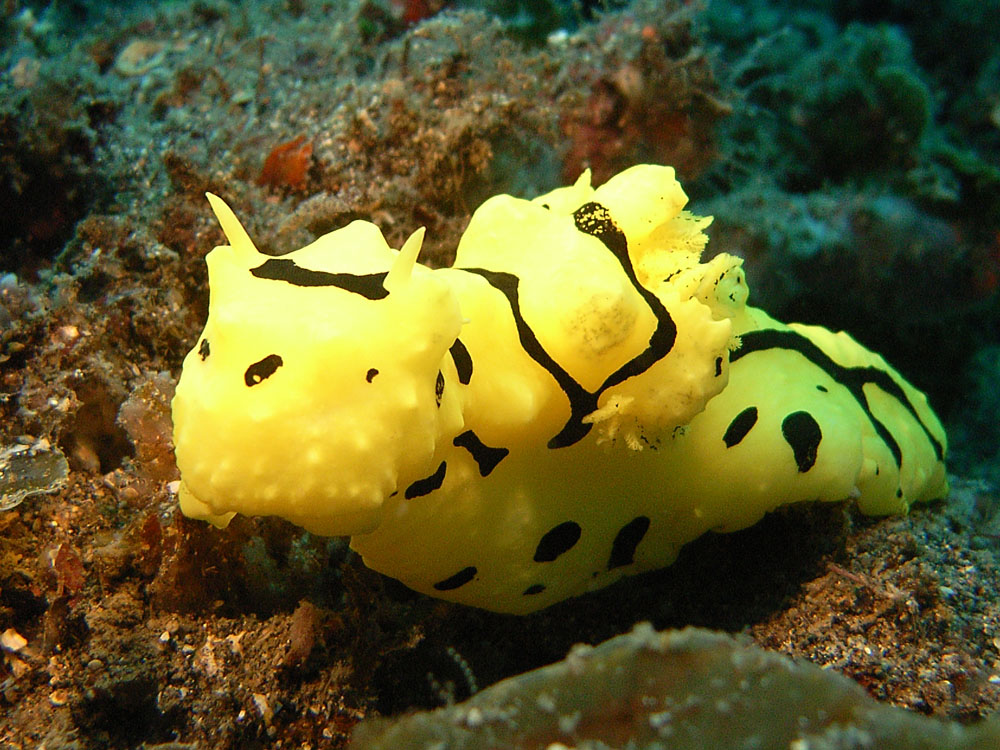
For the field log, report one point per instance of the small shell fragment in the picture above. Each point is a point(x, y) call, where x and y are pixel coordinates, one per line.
point(11, 640)
point(29, 470)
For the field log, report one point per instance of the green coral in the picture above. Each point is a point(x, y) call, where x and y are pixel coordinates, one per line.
point(823, 103)
point(864, 104)
point(532, 21)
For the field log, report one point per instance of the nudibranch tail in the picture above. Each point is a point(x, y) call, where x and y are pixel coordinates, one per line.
point(238, 237)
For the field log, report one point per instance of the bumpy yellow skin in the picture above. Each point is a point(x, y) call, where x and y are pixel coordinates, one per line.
point(573, 401)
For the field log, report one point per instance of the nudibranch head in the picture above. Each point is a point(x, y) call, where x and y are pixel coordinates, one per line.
point(347, 320)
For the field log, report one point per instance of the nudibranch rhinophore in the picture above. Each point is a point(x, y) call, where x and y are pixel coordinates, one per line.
point(571, 402)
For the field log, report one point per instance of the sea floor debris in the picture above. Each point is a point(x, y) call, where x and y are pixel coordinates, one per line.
point(681, 689)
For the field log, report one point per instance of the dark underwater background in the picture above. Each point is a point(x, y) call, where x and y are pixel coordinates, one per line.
point(849, 151)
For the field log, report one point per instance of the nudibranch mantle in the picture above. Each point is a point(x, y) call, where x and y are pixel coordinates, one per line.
point(576, 398)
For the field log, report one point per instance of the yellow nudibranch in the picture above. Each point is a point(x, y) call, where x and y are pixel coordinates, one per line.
point(571, 402)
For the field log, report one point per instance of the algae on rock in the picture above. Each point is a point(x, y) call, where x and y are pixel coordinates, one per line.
point(691, 688)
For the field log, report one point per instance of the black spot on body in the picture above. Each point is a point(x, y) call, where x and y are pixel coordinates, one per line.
point(557, 540)
point(438, 388)
point(803, 434)
point(485, 457)
point(718, 366)
point(461, 578)
point(899, 492)
point(426, 485)
point(370, 375)
point(626, 541)
point(740, 426)
point(203, 350)
point(368, 285)
point(463, 361)
point(822, 388)
point(595, 219)
point(262, 370)
point(535, 588)
point(852, 378)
